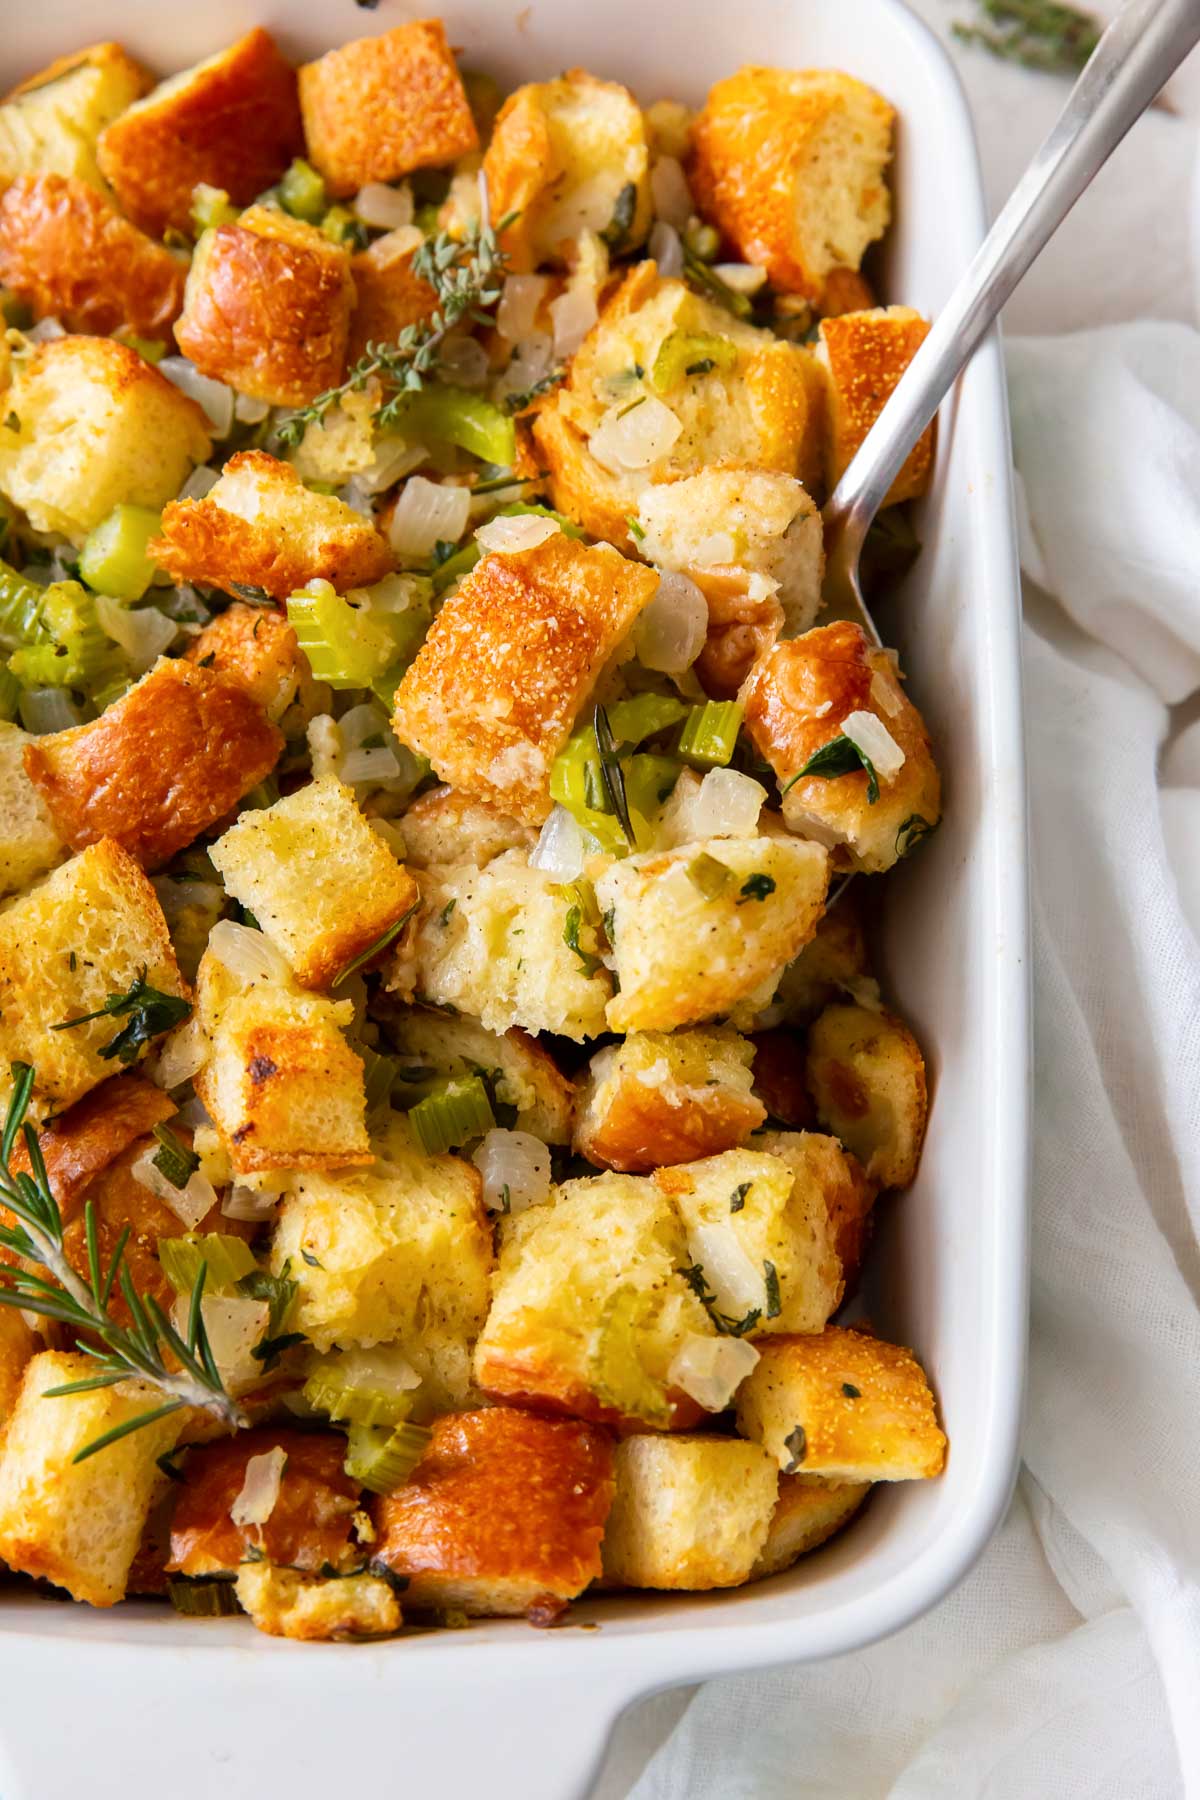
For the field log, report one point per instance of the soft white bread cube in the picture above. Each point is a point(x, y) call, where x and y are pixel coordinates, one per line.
point(519, 1072)
point(490, 943)
point(590, 1305)
point(688, 1512)
point(267, 307)
point(863, 355)
point(17, 1345)
point(791, 166)
point(342, 444)
point(666, 1097)
point(760, 1234)
point(50, 124)
point(232, 121)
point(843, 1405)
point(447, 826)
point(322, 885)
point(837, 1185)
point(682, 957)
point(29, 844)
point(867, 1078)
point(510, 663)
point(259, 526)
point(569, 156)
point(832, 964)
point(317, 1609)
point(89, 424)
point(88, 930)
point(379, 107)
point(77, 1524)
point(799, 697)
point(258, 648)
point(807, 1513)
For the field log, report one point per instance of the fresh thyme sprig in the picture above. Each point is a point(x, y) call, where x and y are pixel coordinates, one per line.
point(1038, 34)
point(134, 1352)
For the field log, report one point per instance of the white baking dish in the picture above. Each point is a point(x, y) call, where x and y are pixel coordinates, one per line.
point(139, 1700)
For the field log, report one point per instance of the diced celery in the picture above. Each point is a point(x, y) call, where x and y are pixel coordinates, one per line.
point(359, 1388)
point(643, 716)
point(151, 350)
point(10, 692)
point(456, 566)
point(649, 781)
point(340, 225)
point(20, 607)
point(454, 415)
point(379, 1074)
point(302, 192)
point(709, 736)
point(684, 353)
point(709, 875)
point(568, 527)
point(701, 239)
point(114, 559)
point(347, 646)
point(228, 1259)
point(211, 206)
point(620, 1379)
point(456, 1111)
point(381, 1460)
point(202, 1599)
point(68, 648)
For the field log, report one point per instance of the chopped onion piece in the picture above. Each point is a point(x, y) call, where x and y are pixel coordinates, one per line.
point(195, 1114)
point(715, 551)
point(375, 765)
point(738, 1283)
point(463, 361)
point(190, 1203)
point(574, 313)
point(400, 242)
point(559, 849)
point(743, 278)
point(392, 834)
point(48, 709)
point(201, 481)
point(215, 398)
point(524, 531)
point(711, 1369)
point(672, 195)
point(671, 631)
point(234, 1326)
point(634, 437)
point(142, 632)
point(872, 737)
point(395, 457)
point(247, 954)
point(531, 362)
point(383, 207)
point(45, 331)
point(249, 411)
point(427, 514)
point(249, 1204)
point(666, 248)
point(182, 1055)
point(515, 1167)
point(517, 312)
point(885, 696)
point(260, 1489)
point(728, 804)
point(362, 722)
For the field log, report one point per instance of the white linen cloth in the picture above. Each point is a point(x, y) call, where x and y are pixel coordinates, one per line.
point(1068, 1663)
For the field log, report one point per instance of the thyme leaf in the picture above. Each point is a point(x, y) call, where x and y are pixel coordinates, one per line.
point(1037, 34)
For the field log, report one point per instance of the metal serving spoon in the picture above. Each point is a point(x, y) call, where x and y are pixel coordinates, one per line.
point(1137, 54)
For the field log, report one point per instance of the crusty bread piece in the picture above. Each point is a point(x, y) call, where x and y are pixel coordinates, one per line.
point(447, 826)
point(831, 964)
point(508, 666)
point(689, 1512)
point(322, 885)
point(843, 1405)
point(568, 156)
point(232, 121)
point(85, 932)
point(845, 290)
point(90, 424)
point(380, 107)
point(867, 1078)
point(267, 307)
point(666, 1097)
point(29, 844)
point(797, 698)
point(502, 1516)
point(807, 1513)
point(80, 1143)
point(388, 295)
point(260, 526)
point(17, 1345)
point(77, 1524)
point(681, 956)
point(864, 354)
point(68, 254)
point(315, 1608)
point(159, 766)
point(521, 1072)
point(791, 166)
point(779, 1078)
point(256, 647)
point(838, 1185)
point(50, 123)
point(309, 1525)
point(342, 444)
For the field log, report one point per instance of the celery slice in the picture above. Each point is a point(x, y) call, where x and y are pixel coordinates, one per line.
point(649, 782)
point(357, 1388)
point(619, 1378)
point(643, 716)
point(381, 1460)
point(709, 736)
point(456, 566)
point(151, 350)
point(347, 646)
point(20, 607)
point(684, 353)
point(340, 225)
point(114, 559)
point(228, 1259)
point(454, 415)
point(10, 692)
point(302, 192)
point(379, 1075)
point(66, 647)
point(211, 206)
point(709, 875)
point(203, 1599)
point(455, 1112)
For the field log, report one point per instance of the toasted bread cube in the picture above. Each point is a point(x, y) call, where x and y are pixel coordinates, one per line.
point(759, 406)
point(661, 1097)
point(843, 1405)
point(232, 121)
point(18, 1344)
point(489, 942)
point(569, 156)
point(498, 684)
point(791, 166)
point(87, 931)
point(867, 1078)
point(864, 354)
point(502, 1516)
point(688, 1512)
point(837, 1183)
point(832, 963)
point(29, 844)
point(257, 648)
point(403, 1257)
point(798, 698)
point(259, 526)
point(80, 1144)
point(309, 1525)
point(77, 1524)
point(388, 295)
point(590, 1305)
point(380, 107)
point(50, 124)
point(342, 444)
point(761, 1235)
point(522, 1074)
point(322, 885)
point(681, 956)
point(315, 1609)
point(267, 307)
point(159, 766)
point(68, 254)
point(845, 291)
point(446, 826)
point(91, 425)
point(807, 1513)
point(779, 1079)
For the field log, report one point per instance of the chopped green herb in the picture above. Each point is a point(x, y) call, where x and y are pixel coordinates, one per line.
point(771, 1278)
point(150, 1014)
point(312, 1261)
point(447, 910)
point(633, 405)
point(738, 1197)
point(705, 280)
point(796, 1443)
point(256, 596)
point(635, 529)
point(757, 887)
point(516, 403)
point(172, 1159)
point(373, 949)
point(571, 930)
point(850, 1391)
point(1037, 34)
point(618, 227)
point(840, 756)
point(912, 834)
point(278, 1291)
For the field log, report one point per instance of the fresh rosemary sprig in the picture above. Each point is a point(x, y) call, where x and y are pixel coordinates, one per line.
point(134, 1352)
point(1038, 34)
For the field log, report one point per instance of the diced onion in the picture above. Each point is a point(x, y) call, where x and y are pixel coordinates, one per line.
point(201, 481)
point(234, 1326)
point(463, 361)
point(635, 437)
point(427, 514)
point(362, 722)
point(738, 1283)
point(532, 361)
point(249, 411)
point(574, 313)
point(711, 1369)
point(728, 804)
point(247, 954)
point(666, 248)
point(672, 195)
point(260, 1489)
point(885, 695)
point(671, 631)
point(190, 1203)
point(249, 1204)
point(717, 550)
point(517, 312)
point(400, 242)
point(142, 632)
point(515, 1167)
point(392, 834)
point(45, 331)
point(182, 1054)
point(560, 848)
point(195, 1113)
point(385, 208)
point(376, 765)
point(213, 396)
point(743, 278)
point(872, 737)
point(395, 457)
point(525, 531)
point(48, 709)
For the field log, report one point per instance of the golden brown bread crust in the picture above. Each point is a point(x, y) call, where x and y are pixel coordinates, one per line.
point(235, 125)
point(864, 354)
point(80, 1143)
point(68, 254)
point(309, 1523)
point(866, 1074)
point(97, 56)
point(808, 1512)
point(635, 1126)
point(740, 628)
point(380, 107)
point(389, 297)
point(256, 647)
point(159, 766)
point(503, 1514)
point(779, 1078)
point(845, 291)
